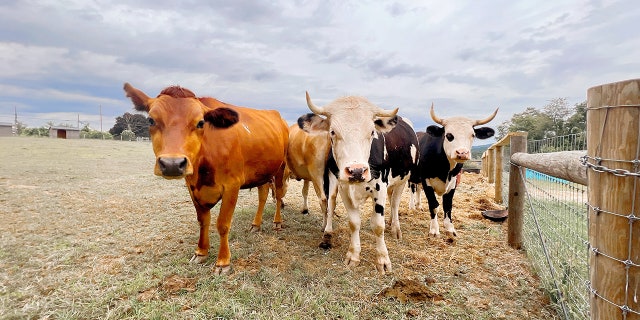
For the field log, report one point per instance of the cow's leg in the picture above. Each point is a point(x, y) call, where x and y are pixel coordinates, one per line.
point(353, 254)
point(414, 199)
point(223, 224)
point(263, 194)
point(202, 250)
point(447, 206)
point(327, 220)
point(322, 197)
point(305, 194)
point(383, 263)
point(280, 192)
point(434, 228)
point(394, 201)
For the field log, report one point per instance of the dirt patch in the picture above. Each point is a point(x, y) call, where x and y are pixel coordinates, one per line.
point(411, 290)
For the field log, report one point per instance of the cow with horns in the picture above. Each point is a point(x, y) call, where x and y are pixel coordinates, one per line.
point(443, 150)
point(218, 149)
point(372, 154)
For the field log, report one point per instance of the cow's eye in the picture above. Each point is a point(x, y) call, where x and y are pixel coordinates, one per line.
point(151, 122)
point(200, 124)
point(449, 137)
point(332, 133)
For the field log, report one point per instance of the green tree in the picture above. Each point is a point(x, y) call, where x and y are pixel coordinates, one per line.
point(531, 120)
point(137, 123)
point(578, 121)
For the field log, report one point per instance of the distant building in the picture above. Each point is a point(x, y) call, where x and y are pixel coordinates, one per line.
point(64, 133)
point(6, 129)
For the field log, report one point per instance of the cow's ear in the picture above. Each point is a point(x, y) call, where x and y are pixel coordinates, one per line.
point(221, 117)
point(436, 131)
point(385, 124)
point(484, 132)
point(313, 123)
point(141, 101)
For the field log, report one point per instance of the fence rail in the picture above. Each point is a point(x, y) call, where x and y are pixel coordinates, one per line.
point(551, 215)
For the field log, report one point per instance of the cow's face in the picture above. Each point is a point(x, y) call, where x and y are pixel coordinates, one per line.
point(176, 124)
point(352, 123)
point(458, 133)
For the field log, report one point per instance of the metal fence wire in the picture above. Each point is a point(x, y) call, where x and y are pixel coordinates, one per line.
point(555, 229)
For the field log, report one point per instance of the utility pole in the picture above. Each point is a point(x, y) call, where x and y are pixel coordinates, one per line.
point(101, 123)
point(15, 120)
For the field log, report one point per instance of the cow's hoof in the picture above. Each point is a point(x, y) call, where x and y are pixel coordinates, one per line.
point(326, 242)
point(434, 235)
point(396, 233)
point(198, 259)
point(451, 234)
point(221, 270)
point(254, 228)
point(277, 226)
point(384, 268)
point(350, 263)
point(305, 211)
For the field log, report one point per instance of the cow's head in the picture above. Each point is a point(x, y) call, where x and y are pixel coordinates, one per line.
point(458, 134)
point(352, 123)
point(176, 124)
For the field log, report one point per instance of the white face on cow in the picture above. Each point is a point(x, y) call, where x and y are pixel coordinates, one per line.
point(458, 138)
point(352, 126)
point(458, 134)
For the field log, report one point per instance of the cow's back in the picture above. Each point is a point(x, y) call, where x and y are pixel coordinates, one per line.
point(249, 152)
point(401, 147)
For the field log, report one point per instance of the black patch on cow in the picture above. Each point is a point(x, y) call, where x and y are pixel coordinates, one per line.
point(330, 168)
point(367, 188)
point(305, 120)
point(398, 161)
point(484, 132)
point(449, 136)
point(379, 209)
point(390, 122)
point(205, 175)
point(377, 187)
point(435, 131)
point(221, 117)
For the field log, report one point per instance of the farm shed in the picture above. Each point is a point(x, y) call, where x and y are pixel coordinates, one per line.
point(6, 129)
point(64, 132)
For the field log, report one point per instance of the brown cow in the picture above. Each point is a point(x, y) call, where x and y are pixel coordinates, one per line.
point(218, 149)
point(306, 159)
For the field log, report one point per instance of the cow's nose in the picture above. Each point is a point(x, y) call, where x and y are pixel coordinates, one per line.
point(356, 173)
point(463, 154)
point(172, 166)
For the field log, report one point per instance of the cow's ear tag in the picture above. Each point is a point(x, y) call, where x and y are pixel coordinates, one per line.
point(221, 117)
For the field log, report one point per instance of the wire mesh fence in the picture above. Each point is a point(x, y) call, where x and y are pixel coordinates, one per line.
point(555, 230)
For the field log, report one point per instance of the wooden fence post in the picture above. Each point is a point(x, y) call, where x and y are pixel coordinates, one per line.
point(516, 194)
point(498, 169)
point(613, 131)
point(491, 164)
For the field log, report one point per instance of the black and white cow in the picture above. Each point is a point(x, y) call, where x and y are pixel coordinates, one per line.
point(372, 154)
point(443, 150)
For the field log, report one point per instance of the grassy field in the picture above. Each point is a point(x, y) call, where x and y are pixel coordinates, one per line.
point(88, 232)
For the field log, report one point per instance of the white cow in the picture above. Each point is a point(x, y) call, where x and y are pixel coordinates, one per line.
point(363, 165)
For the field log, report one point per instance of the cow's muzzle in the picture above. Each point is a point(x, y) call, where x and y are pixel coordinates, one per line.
point(356, 173)
point(173, 167)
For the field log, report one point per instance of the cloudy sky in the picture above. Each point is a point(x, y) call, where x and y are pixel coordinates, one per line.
point(61, 60)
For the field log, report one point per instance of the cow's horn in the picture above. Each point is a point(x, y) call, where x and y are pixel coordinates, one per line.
point(317, 110)
point(386, 113)
point(483, 121)
point(435, 118)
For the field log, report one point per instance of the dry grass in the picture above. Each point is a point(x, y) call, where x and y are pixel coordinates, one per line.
point(87, 232)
